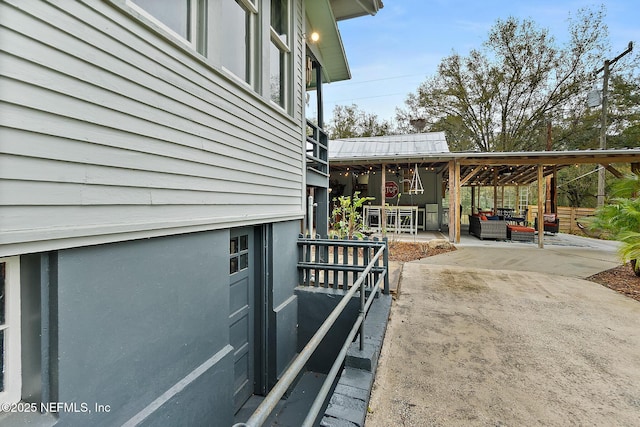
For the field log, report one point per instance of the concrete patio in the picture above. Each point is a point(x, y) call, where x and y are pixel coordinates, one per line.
point(501, 333)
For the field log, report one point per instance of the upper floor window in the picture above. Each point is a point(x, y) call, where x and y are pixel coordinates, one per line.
point(186, 18)
point(10, 356)
point(231, 35)
point(238, 24)
point(280, 52)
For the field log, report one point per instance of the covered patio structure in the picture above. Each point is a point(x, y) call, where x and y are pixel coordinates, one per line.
point(403, 174)
point(523, 168)
point(453, 170)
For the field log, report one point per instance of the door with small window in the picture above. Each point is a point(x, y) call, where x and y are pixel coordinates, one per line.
point(242, 313)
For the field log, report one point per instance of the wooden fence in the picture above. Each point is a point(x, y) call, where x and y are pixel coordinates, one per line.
point(569, 217)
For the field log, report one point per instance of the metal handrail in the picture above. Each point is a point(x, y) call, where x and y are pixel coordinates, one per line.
point(337, 364)
point(269, 403)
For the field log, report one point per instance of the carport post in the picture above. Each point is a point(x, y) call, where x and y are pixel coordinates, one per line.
point(383, 199)
point(452, 210)
point(458, 202)
point(473, 199)
point(454, 201)
point(541, 196)
point(495, 190)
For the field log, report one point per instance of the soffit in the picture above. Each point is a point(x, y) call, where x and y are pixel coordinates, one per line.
point(347, 9)
point(328, 50)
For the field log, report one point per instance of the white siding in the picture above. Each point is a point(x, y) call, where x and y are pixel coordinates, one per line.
point(110, 131)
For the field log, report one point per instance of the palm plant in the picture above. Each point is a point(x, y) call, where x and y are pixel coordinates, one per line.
point(620, 219)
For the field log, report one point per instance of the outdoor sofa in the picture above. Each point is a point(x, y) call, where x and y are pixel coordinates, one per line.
point(551, 223)
point(487, 228)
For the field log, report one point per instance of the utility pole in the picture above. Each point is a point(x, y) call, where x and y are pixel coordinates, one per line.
point(603, 118)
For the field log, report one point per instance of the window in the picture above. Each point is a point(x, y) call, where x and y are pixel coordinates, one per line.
point(279, 52)
point(174, 14)
point(239, 254)
point(201, 22)
point(231, 35)
point(10, 357)
point(186, 18)
point(238, 21)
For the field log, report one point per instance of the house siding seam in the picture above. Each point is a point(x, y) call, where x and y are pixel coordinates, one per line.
point(108, 127)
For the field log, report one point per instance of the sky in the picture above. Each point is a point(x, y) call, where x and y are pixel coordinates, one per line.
point(391, 53)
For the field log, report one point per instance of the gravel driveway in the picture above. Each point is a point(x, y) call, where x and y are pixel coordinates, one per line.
point(476, 346)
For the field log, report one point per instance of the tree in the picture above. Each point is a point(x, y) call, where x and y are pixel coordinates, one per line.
point(579, 129)
point(350, 122)
point(624, 112)
point(578, 187)
point(458, 136)
point(503, 95)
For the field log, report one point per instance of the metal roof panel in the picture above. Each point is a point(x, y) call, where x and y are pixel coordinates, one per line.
point(410, 145)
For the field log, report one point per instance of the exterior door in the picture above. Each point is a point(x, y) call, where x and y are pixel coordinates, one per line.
point(242, 312)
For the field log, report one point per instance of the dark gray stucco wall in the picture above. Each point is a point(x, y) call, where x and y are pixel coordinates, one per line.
point(314, 306)
point(143, 328)
point(285, 302)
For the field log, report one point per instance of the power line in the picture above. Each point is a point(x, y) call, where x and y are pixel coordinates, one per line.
point(582, 176)
point(349, 82)
point(368, 97)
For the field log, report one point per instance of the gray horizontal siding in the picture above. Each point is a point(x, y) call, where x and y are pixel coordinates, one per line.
point(108, 127)
point(299, 61)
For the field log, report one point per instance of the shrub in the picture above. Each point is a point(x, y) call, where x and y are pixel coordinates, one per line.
point(347, 217)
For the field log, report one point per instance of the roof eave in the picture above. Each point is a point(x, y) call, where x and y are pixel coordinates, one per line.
point(534, 157)
point(329, 49)
point(349, 9)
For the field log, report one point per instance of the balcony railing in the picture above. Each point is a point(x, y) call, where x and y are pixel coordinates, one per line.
point(317, 149)
point(369, 277)
point(338, 263)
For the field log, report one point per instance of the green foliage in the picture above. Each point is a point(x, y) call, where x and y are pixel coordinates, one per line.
point(630, 249)
point(624, 111)
point(350, 122)
point(578, 186)
point(620, 219)
point(347, 217)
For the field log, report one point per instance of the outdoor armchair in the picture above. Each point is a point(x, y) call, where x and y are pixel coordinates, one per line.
point(551, 223)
